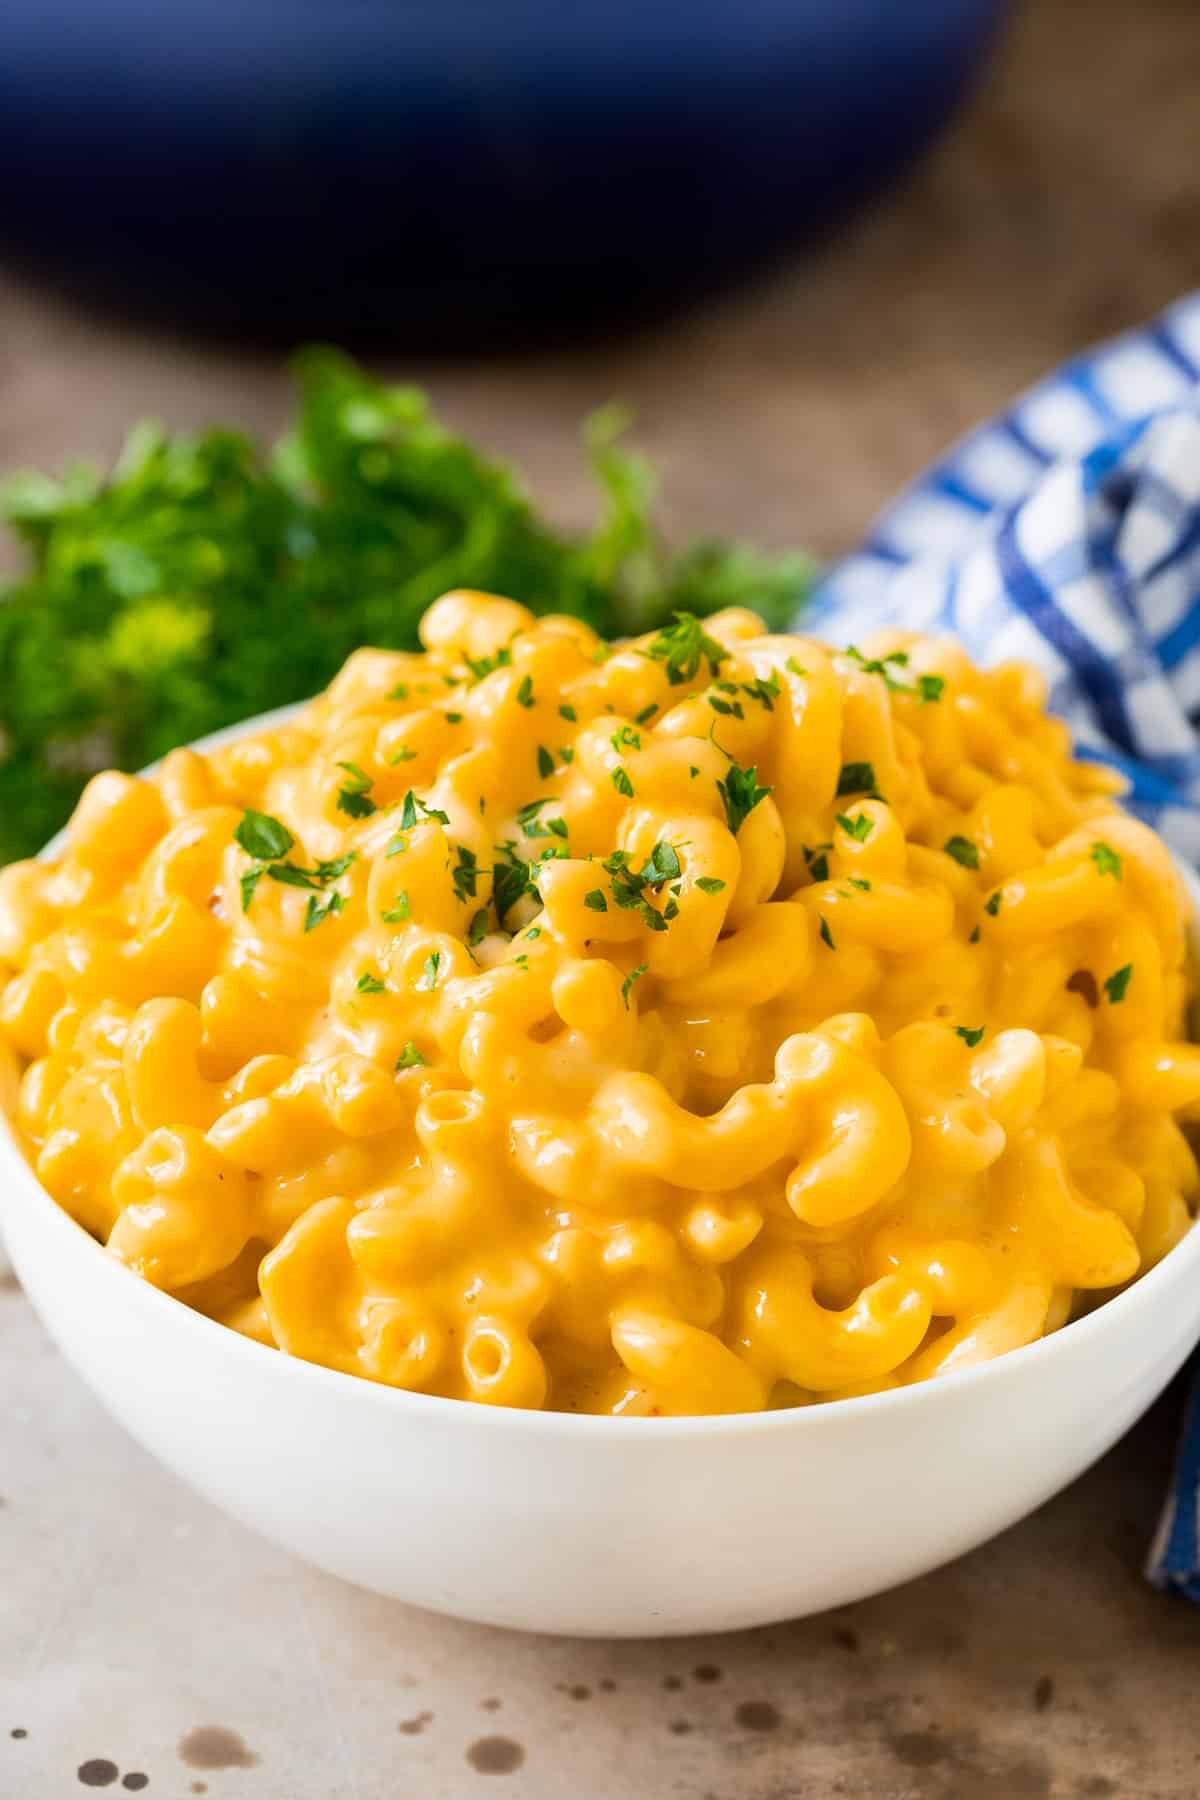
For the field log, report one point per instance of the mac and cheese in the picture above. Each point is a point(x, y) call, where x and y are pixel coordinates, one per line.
point(711, 1022)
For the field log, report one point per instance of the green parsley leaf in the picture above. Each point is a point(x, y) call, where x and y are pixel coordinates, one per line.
point(859, 827)
point(627, 984)
point(525, 691)
point(992, 903)
point(764, 689)
point(397, 845)
point(410, 1057)
point(595, 900)
point(817, 860)
point(248, 882)
point(319, 910)
point(682, 646)
point(398, 911)
point(622, 783)
point(970, 1037)
point(353, 795)
point(368, 983)
point(402, 755)
point(625, 738)
point(477, 930)
point(1107, 860)
point(399, 692)
point(428, 978)
point(545, 762)
point(466, 873)
point(484, 665)
point(708, 884)
point(963, 851)
point(929, 689)
point(646, 714)
point(661, 866)
point(794, 666)
point(740, 794)
point(1117, 984)
point(568, 713)
point(512, 880)
point(856, 778)
point(826, 934)
point(261, 836)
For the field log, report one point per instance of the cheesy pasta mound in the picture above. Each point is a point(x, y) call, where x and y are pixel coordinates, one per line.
point(709, 1022)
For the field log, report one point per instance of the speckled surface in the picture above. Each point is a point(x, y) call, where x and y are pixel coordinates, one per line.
point(146, 1643)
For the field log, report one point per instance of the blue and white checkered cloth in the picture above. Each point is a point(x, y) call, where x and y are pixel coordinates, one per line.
point(1067, 533)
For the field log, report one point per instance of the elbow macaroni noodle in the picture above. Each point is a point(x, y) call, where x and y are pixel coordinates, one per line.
point(713, 1022)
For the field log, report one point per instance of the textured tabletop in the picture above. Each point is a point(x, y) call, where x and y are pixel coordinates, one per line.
point(148, 1643)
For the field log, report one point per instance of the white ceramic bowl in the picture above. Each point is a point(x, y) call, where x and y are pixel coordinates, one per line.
point(613, 1527)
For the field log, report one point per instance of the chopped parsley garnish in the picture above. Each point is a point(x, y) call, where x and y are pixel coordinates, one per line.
point(727, 708)
point(466, 873)
point(859, 827)
point(399, 692)
point(627, 984)
point(970, 1037)
point(1106, 860)
point(410, 1057)
point(409, 812)
point(626, 739)
point(427, 979)
point(402, 755)
point(764, 689)
point(858, 884)
point(682, 646)
point(818, 860)
point(881, 665)
point(545, 762)
point(595, 901)
point(929, 688)
point(453, 718)
point(262, 836)
point(533, 826)
point(1117, 984)
point(354, 794)
point(740, 794)
point(368, 983)
point(856, 778)
point(274, 840)
point(319, 910)
point(826, 934)
point(708, 884)
point(525, 691)
point(622, 783)
point(484, 665)
point(567, 712)
point(512, 879)
point(477, 929)
point(992, 904)
point(646, 714)
point(398, 911)
point(661, 866)
point(522, 963)
point(963, 851)
point(973, 938)
point(794, 666)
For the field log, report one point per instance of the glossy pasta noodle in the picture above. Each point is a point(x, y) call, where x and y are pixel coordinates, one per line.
point(712, 1022)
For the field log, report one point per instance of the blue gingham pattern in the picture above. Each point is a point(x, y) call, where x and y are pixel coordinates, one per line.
point(1067, 533)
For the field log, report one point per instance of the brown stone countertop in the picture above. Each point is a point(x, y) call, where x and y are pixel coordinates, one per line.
point(148, 1643)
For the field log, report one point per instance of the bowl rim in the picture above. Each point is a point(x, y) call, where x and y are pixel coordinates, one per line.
point(1140, 1292)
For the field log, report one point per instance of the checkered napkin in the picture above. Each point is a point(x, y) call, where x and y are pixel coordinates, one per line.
point(1067, 533)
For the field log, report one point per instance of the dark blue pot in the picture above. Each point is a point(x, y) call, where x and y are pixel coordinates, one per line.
point(458, 170)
